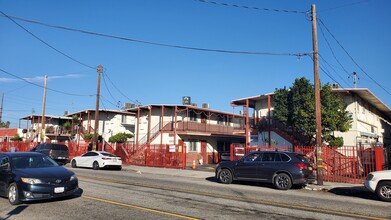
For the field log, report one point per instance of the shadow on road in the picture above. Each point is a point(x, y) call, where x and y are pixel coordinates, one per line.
point(355, 191)
point(16, 211)
point(249, 183)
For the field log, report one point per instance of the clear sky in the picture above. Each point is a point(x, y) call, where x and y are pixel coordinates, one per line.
point(353, 35)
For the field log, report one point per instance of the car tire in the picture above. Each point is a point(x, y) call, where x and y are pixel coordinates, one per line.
point(225, 176)
point(73, 163)
point(13, 194)
point(95, 165)
point(383, 191)
point(282, 181)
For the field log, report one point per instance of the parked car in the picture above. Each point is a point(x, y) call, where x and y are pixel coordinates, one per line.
point(97, 160)
point(283, 169)
point(58, 152)
point(225, 157)
point(379, 182)
point(29, 176)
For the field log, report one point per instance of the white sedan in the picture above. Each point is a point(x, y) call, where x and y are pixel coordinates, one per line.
point(97, 160)
point(379, 182)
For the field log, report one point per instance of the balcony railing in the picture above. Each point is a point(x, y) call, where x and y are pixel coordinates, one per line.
point(191, 126)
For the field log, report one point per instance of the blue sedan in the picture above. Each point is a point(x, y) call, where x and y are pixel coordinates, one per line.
point(28, 176)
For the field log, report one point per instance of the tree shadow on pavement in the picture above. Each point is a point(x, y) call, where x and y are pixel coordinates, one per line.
point(354, 191)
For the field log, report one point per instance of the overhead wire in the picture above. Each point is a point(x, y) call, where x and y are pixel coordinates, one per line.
point(325, 61)
point(53, 90)
point(107, 88)
point(331, 49)
point(160, 44)
point(352, 59)
point(133, 101)
point(342, 6)
point(250, 7)
point(47, 44)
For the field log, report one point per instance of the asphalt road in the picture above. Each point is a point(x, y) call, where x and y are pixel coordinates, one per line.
point(126, 194)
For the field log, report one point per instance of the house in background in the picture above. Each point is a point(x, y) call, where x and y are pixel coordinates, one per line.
point(7, 133)
point(205, 132)
point(371, 120)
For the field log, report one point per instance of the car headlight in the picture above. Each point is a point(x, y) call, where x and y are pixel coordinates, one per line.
point(73, 178)
point(31, 180)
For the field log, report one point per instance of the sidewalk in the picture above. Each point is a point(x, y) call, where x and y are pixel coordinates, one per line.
point(206, 171)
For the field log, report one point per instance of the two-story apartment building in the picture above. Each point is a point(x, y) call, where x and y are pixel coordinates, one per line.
point(371, 119)
point(111, 122)
point(204, 131)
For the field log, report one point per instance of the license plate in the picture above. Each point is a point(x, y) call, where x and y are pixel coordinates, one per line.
point(60, 157)
point(59, 190)
point(115, 159)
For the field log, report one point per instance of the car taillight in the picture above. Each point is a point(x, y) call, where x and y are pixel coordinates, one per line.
point(106, 158)
point(50, 152)
point(301, 166)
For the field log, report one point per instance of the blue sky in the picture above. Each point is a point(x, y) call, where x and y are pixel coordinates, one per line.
point(151, 74)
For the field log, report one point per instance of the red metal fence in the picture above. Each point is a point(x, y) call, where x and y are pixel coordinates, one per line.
point(170, 156)
point(342, 164)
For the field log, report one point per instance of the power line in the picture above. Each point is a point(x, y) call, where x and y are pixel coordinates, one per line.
point(351, 58)
point(161, 44)
point(331, 49)
point(107, 88)
point(53, 90)
point(327, 73)
point(47, 44)
point(250, 7)
point(118, 89)
point(345, 5)
point(324, 60)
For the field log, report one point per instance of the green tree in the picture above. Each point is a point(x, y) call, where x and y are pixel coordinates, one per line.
point(296, 108)
point(5, 124)
point(120, 138)
point(67, 126)
point(16, 138)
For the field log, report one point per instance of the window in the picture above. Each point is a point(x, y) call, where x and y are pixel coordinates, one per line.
point(192, 146)
point(193, 116)
point(252, 157)
point(4, 162)
point(268, 157)
point(90, 154)
point(221, 120)
point(285, 158)
point(123, 119)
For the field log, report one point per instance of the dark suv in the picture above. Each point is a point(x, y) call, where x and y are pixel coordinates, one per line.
point(281, 168)
point(58, 152)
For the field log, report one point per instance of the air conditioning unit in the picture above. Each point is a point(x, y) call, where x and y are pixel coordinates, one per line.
point(128, 105)
point(205, 105)
point(194, 104)
point(66, 113)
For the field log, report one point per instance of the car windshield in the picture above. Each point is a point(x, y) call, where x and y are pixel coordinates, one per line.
point(107, 154)
point(36, 161)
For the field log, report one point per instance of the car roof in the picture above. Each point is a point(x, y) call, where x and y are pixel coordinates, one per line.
point(18, 154)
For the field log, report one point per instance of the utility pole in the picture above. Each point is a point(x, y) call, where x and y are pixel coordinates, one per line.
point(319, 156)
point(95, 141)
point(1, 107)
point(354, 79)
point(43, 110)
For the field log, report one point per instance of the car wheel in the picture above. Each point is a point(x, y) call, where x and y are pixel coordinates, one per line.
point(282, 181)
point(13, 194)
point(74, 165)
point(383, 190)
point(95, 165)
point(225, 176)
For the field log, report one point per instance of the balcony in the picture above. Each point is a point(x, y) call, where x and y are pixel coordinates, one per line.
point(198, 127)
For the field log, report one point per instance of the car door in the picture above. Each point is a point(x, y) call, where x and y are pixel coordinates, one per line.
point(4, 174)
point(246, 168)
point(269, 164)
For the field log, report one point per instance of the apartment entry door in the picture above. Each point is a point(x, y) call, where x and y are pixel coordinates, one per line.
point(204, 152)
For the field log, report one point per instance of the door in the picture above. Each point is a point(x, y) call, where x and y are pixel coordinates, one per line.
point(269, 164)
point(204, 152)
point(4, 174)
point(246, 168)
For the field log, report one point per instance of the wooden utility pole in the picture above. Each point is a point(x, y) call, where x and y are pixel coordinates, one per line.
point(1, 107)
point(95, 141)
point(43, 133)
point(319, 156)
